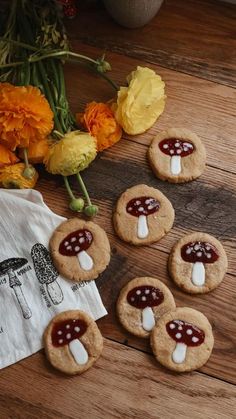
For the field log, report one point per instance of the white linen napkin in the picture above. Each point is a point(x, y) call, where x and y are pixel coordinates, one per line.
point(32, 292)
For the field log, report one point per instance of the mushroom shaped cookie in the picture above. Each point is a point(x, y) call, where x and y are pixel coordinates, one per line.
point(80, 249)
point(143, 215)
point(182, 339)
point(198, 263)
point(141, 303)
point(73, 342)
point(177, 155)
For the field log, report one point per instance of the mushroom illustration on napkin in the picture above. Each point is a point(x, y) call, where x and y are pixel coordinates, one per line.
point(46, 272)
point(9, 267)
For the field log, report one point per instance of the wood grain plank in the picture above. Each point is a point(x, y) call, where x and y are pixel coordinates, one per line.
point(153, 392)
point(202, 106)
point(195, 37)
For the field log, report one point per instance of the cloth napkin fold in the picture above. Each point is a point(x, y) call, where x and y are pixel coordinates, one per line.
point(31, 290)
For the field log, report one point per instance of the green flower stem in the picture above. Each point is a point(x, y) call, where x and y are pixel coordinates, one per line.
point(8, 65)
point(58, 54)
point(83, 188)
point(25, 154)
point(104, 76)
point(68, 188)
point(58, 134)
point(19, 44)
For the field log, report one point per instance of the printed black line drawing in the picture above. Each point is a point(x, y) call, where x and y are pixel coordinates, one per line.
point(9, 266)
point(46, 272)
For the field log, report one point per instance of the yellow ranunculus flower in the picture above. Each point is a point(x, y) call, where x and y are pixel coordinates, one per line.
point(72, 154)
point(142, 102)
point(11, 177)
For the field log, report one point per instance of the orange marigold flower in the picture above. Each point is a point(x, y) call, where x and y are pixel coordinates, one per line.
point(37, 151)
point(7, 157)
point(25, 115)
point(99, 120)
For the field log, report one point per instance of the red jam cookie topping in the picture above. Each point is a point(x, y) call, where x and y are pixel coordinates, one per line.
point(143, 205)
point(199, 252)
point(183, 332)
point(175, 147)
point(145, 296)
point(75, 242)
point(65, 331)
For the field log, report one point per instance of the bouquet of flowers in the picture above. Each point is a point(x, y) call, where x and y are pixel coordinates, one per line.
point(36, 124)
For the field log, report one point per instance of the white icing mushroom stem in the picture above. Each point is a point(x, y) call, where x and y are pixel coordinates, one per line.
point(86, 262)
point(175, 165)
point(198, 274)
point(148, 319)
point(142, 227)
point(78, 351)
point(179, 353)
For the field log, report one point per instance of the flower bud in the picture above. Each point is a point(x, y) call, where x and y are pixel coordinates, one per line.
point(77, 204)
point(29, 172)
point(91, 210)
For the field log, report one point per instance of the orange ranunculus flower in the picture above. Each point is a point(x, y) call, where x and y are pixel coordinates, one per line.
point(25, 115)
point(99, 120)
point(11, 177)
point(37, 151)
point(7, 157)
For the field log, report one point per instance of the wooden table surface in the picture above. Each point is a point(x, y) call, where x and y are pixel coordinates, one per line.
point(192, 46)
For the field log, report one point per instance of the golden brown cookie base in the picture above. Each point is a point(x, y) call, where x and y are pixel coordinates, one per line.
point(61, 357)
point(163, 345)
point(69, 266)
point(181, 271)
point(192, 165)
point(131, 317)
point(159, 223)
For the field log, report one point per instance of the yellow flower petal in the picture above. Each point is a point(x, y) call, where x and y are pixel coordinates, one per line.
point(142, 102)
point(72, 154)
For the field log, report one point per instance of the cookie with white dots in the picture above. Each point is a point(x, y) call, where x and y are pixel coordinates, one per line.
point(72, 342)
point(143, 215)
point(141, 303)
point(198, 263)
point(80, 249)
point(182, 340)
point(177, 155)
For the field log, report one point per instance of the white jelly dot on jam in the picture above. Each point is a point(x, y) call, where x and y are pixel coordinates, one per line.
point(67, 326)
point(189, 332)
point(68, 336)
point(77, 329)
point(194, 339)
point(178, 335)
point(172, 326)
point(73, 239)
point(138, 292)
point(59, 332)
